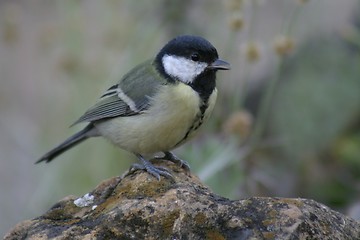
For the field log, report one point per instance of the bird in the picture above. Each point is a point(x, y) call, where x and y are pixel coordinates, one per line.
point(157, 106)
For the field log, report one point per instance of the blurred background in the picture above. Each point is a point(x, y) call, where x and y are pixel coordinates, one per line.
point(287, 120)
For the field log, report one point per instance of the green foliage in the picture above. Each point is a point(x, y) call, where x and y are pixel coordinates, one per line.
point(315, 104)
point(317, 98)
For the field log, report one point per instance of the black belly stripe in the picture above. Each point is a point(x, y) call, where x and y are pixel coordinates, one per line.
point(204, 85)
point(198, 121)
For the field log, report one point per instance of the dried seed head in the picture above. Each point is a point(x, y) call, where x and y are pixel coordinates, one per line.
point(234, 5)
point(283, 45)
point(239, 124)
point(251, 51)
point(236, 22)
point(10, 28)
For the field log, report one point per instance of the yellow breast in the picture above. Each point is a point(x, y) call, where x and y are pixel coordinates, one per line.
point(163, 126)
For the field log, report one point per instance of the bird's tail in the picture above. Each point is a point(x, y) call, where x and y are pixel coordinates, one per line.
point(88, 131)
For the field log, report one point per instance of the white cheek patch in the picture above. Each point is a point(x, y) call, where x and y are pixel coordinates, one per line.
point(182, 68)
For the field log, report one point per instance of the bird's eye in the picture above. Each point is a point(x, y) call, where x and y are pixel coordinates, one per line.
point(195, 57)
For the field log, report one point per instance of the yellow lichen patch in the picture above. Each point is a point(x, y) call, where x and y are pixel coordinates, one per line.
point(200, 218)
point(268, 222)
point(214, 235)
point(272, 213)
point(153, 188)
point(269, 235)
point(147, 187)
point(109, 204)
point(124, 189)
point(168, 222)
point(64, 210)
point(127, 190)
point(296, 202)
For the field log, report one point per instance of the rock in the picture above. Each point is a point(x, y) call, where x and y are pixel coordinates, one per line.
point(139, 206)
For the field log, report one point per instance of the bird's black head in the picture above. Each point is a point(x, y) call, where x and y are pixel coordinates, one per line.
point(187, 57)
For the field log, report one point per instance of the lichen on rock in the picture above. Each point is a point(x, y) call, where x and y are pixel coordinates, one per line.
point(139, 206)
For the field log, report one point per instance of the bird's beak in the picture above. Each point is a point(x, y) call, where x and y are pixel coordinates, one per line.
point(219, 64)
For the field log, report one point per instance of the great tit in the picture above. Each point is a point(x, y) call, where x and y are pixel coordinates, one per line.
point(157, 106)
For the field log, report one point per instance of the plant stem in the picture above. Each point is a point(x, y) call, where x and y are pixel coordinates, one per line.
point(266, 101)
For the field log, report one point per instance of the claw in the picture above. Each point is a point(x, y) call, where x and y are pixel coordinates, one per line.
point(169, 156)
point(147, 166)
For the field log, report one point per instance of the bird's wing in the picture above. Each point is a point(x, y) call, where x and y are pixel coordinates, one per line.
point(131, 96)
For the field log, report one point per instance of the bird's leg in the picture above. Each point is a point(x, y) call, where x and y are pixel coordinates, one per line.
point(169, 156)
point(150, 168)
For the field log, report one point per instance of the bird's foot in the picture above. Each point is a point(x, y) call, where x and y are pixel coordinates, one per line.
point(150, 168)
point(169, 156)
